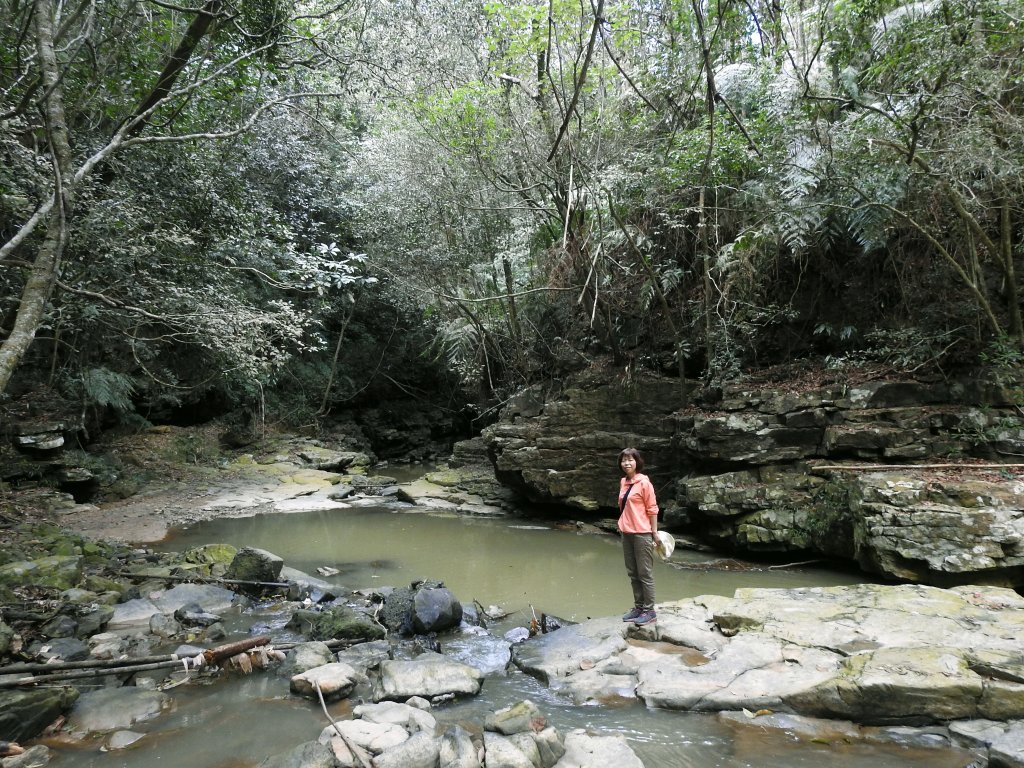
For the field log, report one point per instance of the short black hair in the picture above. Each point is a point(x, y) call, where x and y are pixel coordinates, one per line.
point(635, 455)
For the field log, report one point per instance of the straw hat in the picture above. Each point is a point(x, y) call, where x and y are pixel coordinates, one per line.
point(666, 544)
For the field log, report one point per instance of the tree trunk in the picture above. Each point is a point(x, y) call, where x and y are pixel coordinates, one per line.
point(46, 265)
point(1010, 273)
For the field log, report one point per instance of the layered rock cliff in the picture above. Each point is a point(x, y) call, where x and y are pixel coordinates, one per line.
point(914, 480)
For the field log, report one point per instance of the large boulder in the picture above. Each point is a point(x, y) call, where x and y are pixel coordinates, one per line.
point(435, 610)
point(24, 714)
point(255, 566)
point(109, 709)
point(429, 675)
point(335, 681)
point(339, 622)
point(424, 607)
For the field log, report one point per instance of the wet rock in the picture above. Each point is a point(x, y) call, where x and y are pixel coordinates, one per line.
point(306, 656)
point(33, 757)
point(25, 714)
point(308, 755)
point(426, 606)
point(94, 620)
point(457, 749)
point(193, 615)
point(214, 633)
point(59, 626)
point(111, 709)
point(162, 625)
point(421, 750)
point(429, 675)
point(517, 718)
point(396, 613)
point(254, 565)
point(435, 610)
point(585, 751)
point(365, 656)
point(302, 586)
point(411, 718)
point(335, 680)
point(62, 649)
point(339, 622)
point(123, 740)
point(207, 597)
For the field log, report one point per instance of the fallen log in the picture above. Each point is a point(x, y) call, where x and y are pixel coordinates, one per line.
point(197, 579)
point(214, 656)
point(77, 670)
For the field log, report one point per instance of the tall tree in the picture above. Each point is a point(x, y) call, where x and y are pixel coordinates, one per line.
point(222, 67)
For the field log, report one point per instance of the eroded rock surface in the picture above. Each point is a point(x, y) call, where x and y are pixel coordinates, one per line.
point(867, 653)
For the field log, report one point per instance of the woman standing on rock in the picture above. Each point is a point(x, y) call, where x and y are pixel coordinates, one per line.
point(638, 524)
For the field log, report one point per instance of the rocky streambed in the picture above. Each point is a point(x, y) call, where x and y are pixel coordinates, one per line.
point(912, 665)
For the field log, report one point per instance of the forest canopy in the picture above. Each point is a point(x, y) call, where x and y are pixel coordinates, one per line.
point(312, 203)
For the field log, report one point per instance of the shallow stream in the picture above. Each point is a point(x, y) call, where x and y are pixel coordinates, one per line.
point(518, 564)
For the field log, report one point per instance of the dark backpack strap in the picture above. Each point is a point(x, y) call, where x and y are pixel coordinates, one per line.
point(622, 501)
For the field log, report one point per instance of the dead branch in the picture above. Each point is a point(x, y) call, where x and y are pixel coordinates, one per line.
point(201, 580)
point(872, 467)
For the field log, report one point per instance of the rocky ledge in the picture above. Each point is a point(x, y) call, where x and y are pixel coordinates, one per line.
point(871, 654)
point(912, 480)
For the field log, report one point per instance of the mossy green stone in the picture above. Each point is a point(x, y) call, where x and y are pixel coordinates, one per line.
point(57, 571)
point(208, 554)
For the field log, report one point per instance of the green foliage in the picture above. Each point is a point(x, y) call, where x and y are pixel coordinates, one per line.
point(106, 388)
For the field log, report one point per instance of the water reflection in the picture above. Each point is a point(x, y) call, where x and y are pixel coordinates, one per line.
point(512, 563)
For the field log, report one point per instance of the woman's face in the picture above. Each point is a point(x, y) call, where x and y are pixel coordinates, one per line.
point(628, 464)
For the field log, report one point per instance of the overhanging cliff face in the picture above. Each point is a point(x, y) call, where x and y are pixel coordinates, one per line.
point(561, 446)
point(846, 470)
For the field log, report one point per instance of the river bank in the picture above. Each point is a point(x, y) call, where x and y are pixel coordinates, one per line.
point(729, 662)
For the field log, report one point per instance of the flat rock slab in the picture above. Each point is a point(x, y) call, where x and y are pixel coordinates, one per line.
point(210, 598)
point(115, 709)
point(428, 675)
point(866, 653)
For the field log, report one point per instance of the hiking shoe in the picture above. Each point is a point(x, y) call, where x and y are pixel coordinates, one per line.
point(647, 617)
point(633, 614)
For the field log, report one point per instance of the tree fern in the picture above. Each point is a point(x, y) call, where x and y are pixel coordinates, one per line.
point(103, 387)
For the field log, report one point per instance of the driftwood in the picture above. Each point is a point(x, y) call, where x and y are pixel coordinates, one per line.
point(198, 579)
point(360, 754)
point(78, 670)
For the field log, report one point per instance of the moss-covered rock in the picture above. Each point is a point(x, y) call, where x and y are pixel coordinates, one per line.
point(24, 714)
point(339, 622)
point(211, 554)
point(56, 571)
